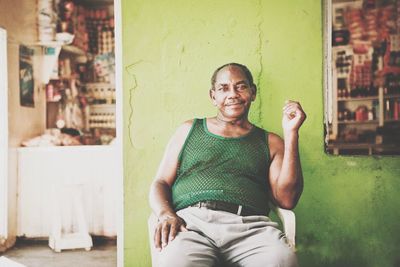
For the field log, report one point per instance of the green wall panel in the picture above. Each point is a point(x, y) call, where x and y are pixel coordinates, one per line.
point(348, 214)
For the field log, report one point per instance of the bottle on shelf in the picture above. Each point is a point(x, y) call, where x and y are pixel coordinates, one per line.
point(387, 109)
point(396, 109)
point(361, 113)
point(49, 92)
point(375, 109)
point(113, 96)
point(108, 95)
point(371, 115)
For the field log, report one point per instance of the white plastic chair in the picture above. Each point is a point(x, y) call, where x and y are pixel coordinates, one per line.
point(287, 218)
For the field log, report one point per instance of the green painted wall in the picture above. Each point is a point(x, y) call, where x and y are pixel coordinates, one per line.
point(348, 214)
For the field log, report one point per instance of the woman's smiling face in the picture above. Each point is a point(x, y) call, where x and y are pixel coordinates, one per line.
point(232, 93)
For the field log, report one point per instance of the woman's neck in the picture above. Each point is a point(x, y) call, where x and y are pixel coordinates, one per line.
point(241, 122)
point(228, 128)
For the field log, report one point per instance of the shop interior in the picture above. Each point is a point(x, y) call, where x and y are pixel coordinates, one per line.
point(363, 96)
point(80, 87)
point(63, 174)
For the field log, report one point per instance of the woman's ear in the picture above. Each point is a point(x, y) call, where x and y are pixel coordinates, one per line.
point(254, 92)
point(212, 96)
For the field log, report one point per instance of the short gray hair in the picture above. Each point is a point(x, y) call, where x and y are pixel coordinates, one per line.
point(243, 68)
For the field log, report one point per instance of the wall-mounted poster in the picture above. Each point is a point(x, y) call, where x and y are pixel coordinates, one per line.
point(26, 84)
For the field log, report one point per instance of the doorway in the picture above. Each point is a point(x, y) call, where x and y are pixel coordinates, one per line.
point(29, 215)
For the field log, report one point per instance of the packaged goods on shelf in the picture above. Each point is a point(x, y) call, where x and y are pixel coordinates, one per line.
point(80, 93)
point(101, 93)
point(100, 25)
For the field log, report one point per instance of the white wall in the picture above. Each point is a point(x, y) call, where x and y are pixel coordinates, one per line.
point(18, 18)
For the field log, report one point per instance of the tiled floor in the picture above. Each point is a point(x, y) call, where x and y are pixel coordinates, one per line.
point(38, 254)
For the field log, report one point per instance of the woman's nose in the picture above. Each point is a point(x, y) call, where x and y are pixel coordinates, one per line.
point(232, 92)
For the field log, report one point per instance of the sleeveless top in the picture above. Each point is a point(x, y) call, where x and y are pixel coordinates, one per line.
point(229, 169)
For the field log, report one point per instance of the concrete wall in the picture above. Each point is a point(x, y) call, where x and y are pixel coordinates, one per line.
point(19, 19)
point(348, 214)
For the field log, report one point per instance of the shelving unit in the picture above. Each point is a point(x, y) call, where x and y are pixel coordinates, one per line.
point(364, 101)
point(337, 146)
point(55, 97)
point(83, 60)
point(102, 116)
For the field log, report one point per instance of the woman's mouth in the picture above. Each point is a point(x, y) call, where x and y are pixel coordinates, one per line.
point(234, 104)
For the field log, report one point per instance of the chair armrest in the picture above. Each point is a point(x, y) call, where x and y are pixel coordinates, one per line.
point(288, 220)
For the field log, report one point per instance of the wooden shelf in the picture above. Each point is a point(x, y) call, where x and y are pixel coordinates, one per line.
point(359, 122)
point(68, 48)
point(47, 44)
point(373, 149)
point(65, 78)
point(358, 98)
point(391, 96)
point(391, 69)
point(392, 120)
point(367, 98)
point(342, 145)
point(103, 106)
point(100, 84)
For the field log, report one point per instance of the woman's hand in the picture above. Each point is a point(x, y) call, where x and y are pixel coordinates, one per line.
point(167, 228)
point(293, 117)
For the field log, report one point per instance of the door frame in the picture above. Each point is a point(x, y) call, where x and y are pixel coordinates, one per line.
point(3, 137)
point(119, 128)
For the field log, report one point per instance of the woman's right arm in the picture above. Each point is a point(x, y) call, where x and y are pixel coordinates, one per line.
point(169, 224)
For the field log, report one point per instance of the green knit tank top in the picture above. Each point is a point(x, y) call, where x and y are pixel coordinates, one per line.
point(230, 169)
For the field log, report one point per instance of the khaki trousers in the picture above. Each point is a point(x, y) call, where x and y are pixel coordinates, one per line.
point(219, 238)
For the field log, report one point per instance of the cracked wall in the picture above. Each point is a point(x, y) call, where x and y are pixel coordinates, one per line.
point(348, 213)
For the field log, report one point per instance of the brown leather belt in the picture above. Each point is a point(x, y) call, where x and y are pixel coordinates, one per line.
point(226, 206)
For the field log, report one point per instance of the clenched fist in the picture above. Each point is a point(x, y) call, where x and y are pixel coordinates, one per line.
point(293, 116)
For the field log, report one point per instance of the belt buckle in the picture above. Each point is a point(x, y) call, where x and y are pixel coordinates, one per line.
point(213, 205)
point(239, 211)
